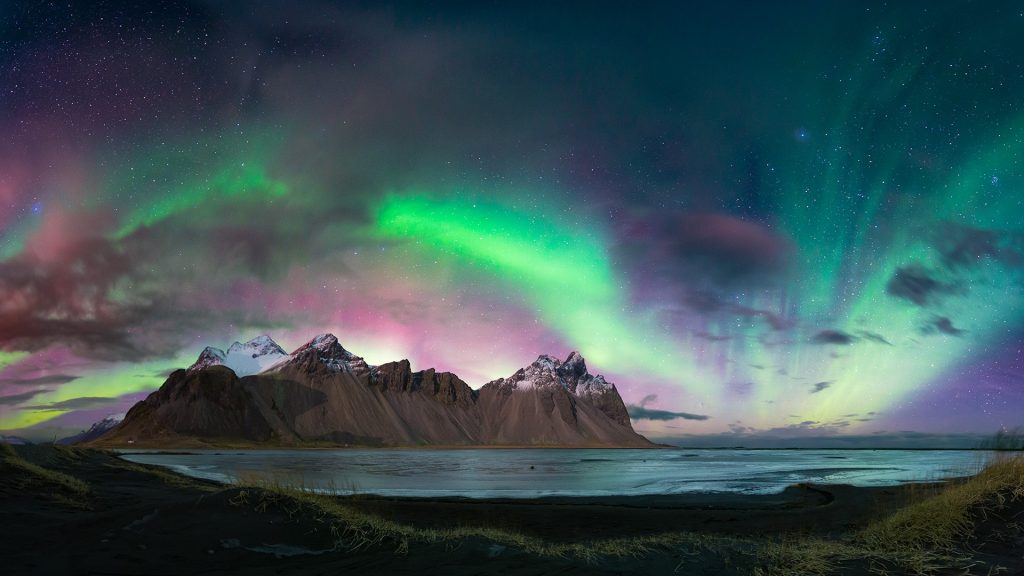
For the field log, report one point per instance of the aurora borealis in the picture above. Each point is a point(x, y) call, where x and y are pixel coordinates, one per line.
point(788, 220)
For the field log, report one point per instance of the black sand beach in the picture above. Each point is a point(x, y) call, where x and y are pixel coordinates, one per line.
point(133, 519)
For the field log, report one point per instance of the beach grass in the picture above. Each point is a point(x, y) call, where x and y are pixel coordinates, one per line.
point(66, 489)
point(932, 529)
point(939, 531)
point(934, 532)
point(178, 480)
point(356, 529)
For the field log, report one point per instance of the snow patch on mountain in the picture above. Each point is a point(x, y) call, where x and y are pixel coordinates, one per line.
point(262, 354)
point(252, 357)
point(332, 354)
point(548, 372)
point(96, 430)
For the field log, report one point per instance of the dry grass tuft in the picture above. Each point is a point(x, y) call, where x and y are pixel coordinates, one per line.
point(69, 491)
point(163, 475)
point(926, 537)
point(935, 533)
point(355, 529)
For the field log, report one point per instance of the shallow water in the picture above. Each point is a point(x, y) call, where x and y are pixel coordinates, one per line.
point(525, 473)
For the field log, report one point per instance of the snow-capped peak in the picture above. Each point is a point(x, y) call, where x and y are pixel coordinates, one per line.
point(324, 341)
point(574, 366)
point(547, 372)
point(113, 418)
point(210, 356)
point(333, 354)
point(262, 354)
point(258, 346)
point(253, 357)
point(106, 424)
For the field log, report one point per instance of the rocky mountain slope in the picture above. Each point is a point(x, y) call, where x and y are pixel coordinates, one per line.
point(95, 431)
point(322, 393)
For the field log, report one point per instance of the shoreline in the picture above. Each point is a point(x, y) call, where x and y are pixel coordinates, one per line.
point(312, 447)
point(133, 518)
point(184, 449)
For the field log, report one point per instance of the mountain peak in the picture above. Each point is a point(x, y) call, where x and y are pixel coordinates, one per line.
point(331, 353)
point(96, 430)
point(324, 344)
point(546, 361)
point(574, 366)
point(258, 346)
point(210, 356)
point(549, 372)
point(253, 357)
point(326, 341)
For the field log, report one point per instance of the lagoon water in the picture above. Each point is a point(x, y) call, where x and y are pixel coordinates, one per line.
point(528, 473)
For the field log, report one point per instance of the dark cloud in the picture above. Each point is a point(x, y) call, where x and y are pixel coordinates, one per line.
point(917, 284)
point(39, 381)
point(818, 387)
point(726, 250)
point(809, 438)
point(960, 248)
point(702, 259)
point(103, 298)
point(83, 403)
point(15, 399)
point(711, 337)
point(706, 302)
point(943, 325)
point(837, 337)
point(874, 337)
point(964, 246)
point(641, 413)
point(649, 399)
point(61, 290)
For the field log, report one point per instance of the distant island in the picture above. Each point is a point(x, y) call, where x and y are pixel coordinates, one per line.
point(256, 394)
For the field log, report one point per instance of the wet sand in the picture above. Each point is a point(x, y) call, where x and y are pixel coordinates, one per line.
point(141, 522)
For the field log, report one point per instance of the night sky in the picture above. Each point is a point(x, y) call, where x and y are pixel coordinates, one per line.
point(779, 219)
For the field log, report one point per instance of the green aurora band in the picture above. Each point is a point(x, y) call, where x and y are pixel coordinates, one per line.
point(564, 274)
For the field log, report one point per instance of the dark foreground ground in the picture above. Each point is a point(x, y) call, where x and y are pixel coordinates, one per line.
point(125, 518)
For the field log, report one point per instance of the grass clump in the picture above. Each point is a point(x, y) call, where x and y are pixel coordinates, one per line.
point(801, 556)
point(1005, 439)
point(937, 532)
point(355, 529)
point(929, 536)
point(171, 478)
point(70, 491)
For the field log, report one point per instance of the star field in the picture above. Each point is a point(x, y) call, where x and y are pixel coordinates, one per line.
point(798, 220)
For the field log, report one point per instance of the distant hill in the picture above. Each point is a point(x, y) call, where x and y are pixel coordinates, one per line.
point(16, 440)
point(255, 393)
point(95, 431)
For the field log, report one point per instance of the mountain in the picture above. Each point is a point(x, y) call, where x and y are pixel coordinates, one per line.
point(13, 440)
point(95, 431)
point(253, 357)
point(554, 402)
point(323, 393)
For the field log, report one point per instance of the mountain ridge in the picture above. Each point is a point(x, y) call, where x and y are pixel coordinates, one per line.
point(96, 430)
point(323, 393)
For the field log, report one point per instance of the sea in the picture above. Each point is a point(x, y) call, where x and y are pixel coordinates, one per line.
point(532, 473)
